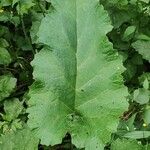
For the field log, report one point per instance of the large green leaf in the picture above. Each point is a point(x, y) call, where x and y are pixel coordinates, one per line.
point(13, 108)
point(125, 144)
point(141, 96)
point(7, 84)
point(115, 2)
point(5, 3)
point(143, 47)
point(23, 5)
point(5, 57)
point(78, 86)
point(21, 140)
point(137, 134)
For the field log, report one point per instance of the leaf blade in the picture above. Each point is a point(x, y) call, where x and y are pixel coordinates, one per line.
point(81, 71)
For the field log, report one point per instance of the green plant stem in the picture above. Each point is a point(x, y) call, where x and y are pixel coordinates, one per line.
point(25, 33)
point(24, 29)
point(10, 69)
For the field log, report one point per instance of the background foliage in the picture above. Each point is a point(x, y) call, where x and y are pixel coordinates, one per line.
point(130, 36)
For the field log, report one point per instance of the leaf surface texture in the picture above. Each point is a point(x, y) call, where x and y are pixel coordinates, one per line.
point(78, 86)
